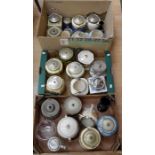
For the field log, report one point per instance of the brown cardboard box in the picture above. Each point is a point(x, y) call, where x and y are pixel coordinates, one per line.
point(71, 8)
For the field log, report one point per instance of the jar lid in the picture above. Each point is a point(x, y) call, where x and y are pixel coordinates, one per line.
point(75, 69)
point(66, 53)
point(93, 18)
point(50, 108)
point(90, 138)
point(86, 57)
point(54, 82)
point(96, 34)
point(53, 31)
point(97, 68)
point(78, 20)
point(67, 127)
point(54, 18)
point(107, 125)
point(72, 105)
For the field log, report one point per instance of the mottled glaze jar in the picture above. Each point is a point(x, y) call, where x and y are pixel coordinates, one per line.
point(55, 84)
point(89, 138)
point(72, 105)
point(50, 108)
point(53, 31)
point(54, 144)
point(53, 66)
point(78, 22)
point(75, 70)
point(107, 125)
point(54, 19)
point(68, 128)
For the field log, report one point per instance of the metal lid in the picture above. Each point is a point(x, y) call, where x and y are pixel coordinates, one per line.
point(89, 138)
point(50, 108)
point(98, 68)
point(54, 82)
point(53, 31)
point(67, 127)
point(75, 69)
point(107, 125)
point(86, 57)
point(66, 53)
point(78, 20)
point(72, 105)
point(54, 18)
point(93, 18)
point(53, 66)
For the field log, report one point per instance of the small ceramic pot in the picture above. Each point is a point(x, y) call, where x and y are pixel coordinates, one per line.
point(107, 125)
point(78, 22)
point(55, 84)
point(72, 105)
point(86, 57)
point(89, 138)
point(66, 33)
point(50, 108)
point(53, 66)
point(75, 70)
point(67, 23)
point(93, 21)
point(68, 128)
point(54, 144)
point(66, 54)
point(55, 20)
point(98, 68)
point(97, 34)
point(79, 87)
point(53, 31)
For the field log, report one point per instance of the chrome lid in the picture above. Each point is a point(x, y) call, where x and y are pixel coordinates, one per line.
point(93, 18)
point(66, 53)
point(54, 18)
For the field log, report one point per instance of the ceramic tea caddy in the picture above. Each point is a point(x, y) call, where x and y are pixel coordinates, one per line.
point(107, 125)
point(93, 21)
point(54, 144)
point(97, 85)
point(45, 129)
point(68, 127)
point(79, 86)
point(98, 34)
point(75, 70)
point(66, 54)
point(55, 20)
point(86, 57)
point(55, 84)
point(53, 66)
point(53, 31)
point(78, 22)
point(98, 68)
point(72, 105)
point(50, 108)
point(89, 138)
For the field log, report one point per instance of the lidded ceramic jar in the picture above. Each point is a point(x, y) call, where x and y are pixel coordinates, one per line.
point(53, 66)
point(86, 57)
point(93, 21)
point(50, 108)
point(66, 54)
point(89, 138)
point(55, 84)
point(68, 127)
point(72, 105)
point(74, 70)
point(98, 68)
point(54, 19)
point(54, 144)
point(98, 34)
point(78, 22)
point(107, 125)
point(53, 31)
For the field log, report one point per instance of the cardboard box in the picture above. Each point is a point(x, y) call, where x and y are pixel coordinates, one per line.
point(71, 8)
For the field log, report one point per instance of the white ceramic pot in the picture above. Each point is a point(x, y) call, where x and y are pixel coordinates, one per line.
point(65, 54)
point(55, 20)
point(98, 34)
point(78, 22)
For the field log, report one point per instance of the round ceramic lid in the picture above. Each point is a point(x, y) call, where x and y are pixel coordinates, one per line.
point(96, 34)
point(93, 18)
point(107, 125)
point(78, 20)
point(90, 138)
point(86, 57)
point(97, 68)
point(67, 127)
point(66, 53)
point(54, 31)
point(54, 82)
point(50, 108)
point(72, 105)
point(80, 85)
point(75, 69)
point(54, 18)
point(54, 144)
